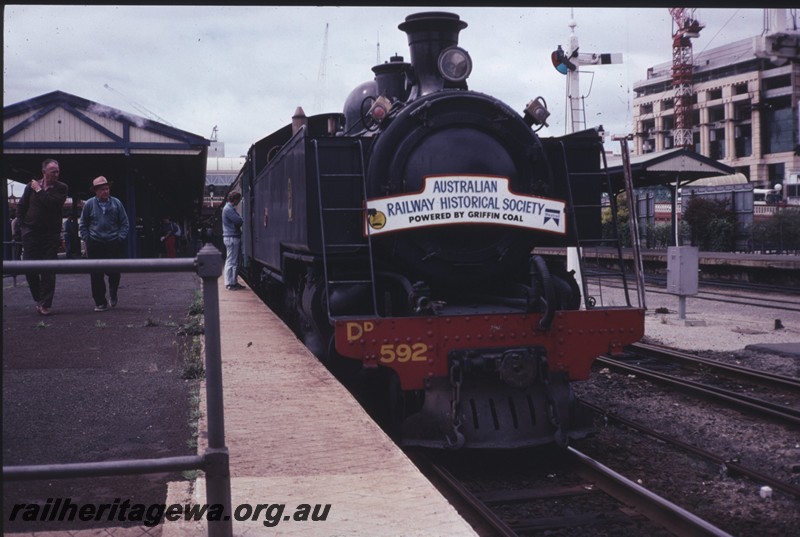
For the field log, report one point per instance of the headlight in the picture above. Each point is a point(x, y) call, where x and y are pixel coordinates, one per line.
point(455, 64)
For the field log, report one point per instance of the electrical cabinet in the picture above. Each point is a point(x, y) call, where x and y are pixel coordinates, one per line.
point(683, 265)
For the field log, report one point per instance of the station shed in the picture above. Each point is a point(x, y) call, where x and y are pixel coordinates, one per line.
point(678, 165)
point(674, 169)
point(156, 170)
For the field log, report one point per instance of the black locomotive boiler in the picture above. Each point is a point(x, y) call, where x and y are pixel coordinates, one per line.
point(399, 237)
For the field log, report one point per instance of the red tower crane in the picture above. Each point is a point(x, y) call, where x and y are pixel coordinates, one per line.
point(685, 27)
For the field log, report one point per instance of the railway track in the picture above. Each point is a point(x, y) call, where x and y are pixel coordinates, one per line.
point(770, 302)
point(562, 505)
point(650, 362)
point(658, 358)
point(719, 287)
point(740, 293)
point(728, 465)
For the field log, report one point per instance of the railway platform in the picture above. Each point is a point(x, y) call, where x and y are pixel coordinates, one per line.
point(772, 261)
point(752, 267)
point(295, 435)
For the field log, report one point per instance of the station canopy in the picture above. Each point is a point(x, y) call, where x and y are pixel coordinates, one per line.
point(162, 167)
point(668, 167)
point(156, 170)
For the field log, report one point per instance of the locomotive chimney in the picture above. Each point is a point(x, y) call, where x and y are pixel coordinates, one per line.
point(391, 78)
point(429, 34)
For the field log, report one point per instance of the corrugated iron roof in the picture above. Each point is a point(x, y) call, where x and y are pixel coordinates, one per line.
point(665, 167)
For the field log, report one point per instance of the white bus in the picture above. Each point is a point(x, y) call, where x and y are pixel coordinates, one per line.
point(766, 196)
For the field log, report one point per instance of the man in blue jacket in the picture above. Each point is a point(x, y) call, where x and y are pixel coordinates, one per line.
point(104, 226)
point(232, 238)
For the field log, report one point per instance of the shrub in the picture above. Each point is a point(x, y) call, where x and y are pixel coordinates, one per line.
point(699, 215)
point(781, 233)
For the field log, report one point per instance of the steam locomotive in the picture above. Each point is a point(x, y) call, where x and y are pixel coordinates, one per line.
point(397, 238)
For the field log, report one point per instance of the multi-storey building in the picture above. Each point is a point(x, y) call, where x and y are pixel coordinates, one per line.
point(745, 110)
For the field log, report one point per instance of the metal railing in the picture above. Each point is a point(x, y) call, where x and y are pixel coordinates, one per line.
point(215, 462)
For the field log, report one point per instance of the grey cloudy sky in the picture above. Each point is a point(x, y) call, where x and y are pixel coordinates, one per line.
point(245, 69)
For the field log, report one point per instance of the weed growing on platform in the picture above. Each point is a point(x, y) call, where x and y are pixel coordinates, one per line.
point(155, 322)
point(193, 327)
point(193, 350)
point(100, 324)
point(190, 475)
point(194, 423)
point(192, 370)
point(196, 307)
point(41, 324)
point(150, 321)
point(193, 359)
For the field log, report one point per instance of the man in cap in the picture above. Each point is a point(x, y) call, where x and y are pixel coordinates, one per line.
point(39, 213)
point(104, 227)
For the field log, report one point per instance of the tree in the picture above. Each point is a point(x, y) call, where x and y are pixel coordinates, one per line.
point(780, 233)
point(623, 225)
point(712, 224)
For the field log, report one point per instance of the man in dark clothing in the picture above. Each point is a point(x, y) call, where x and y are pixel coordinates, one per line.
point(39, 212)
point(71, 241)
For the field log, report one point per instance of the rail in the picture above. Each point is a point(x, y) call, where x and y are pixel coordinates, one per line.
point(775, 411)
point(215, 462)
point(676, 519)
